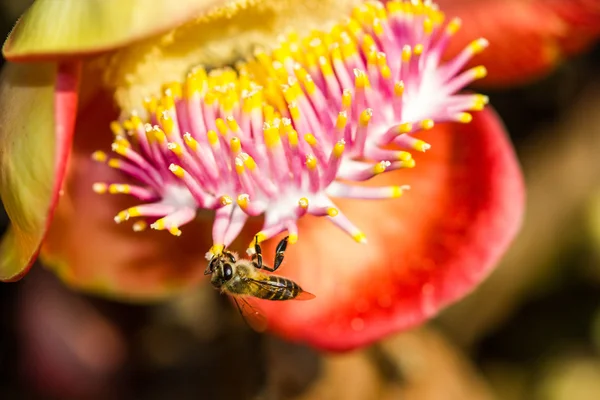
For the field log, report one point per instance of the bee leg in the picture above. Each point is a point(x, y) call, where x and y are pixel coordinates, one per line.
point(257, 256)
point(279, 252)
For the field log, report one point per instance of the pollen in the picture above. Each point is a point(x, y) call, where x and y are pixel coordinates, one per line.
point(287, 131)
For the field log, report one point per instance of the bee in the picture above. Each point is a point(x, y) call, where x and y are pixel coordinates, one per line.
point(241, 278)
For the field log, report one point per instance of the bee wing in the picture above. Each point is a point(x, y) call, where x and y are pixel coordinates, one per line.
point(251, 315)
point(304, 295)
point(273, 286)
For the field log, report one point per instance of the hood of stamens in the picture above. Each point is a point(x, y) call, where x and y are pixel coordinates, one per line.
point(284, 133)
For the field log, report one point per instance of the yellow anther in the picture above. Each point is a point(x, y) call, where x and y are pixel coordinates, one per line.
point(190, 142)
point(479, 72)
point(232, 124)
point(342, 120)
point(159, 135)
point(99, 187)
point(213, 139)
point(167, 102)
point(114, 163)
point(336, 53)
point(175, 231)
point(136, 121)
point(172, 89)
point(116, 128)
point(122, 141)
point(406, 53)
point(418, 50)
point(427, 124)
point(226, 200)
point(360, 79)
point(359, 237)
point(139, 226)
point(159, 225)
point(217, 249)
point(193, 85)
point(221, 126)
point(310, 139)
point(420, 145)
point(242, 200)
point(427, 26)
point(396, 191)
point(377, 27)
point(405, 127)
point(409, 163)
point(250, 163)
point(386, 72)
point(293, 138)
point(303, 203)
point(121, 216)
point(294, 110)
point(464, 117)
point(99, 156)
point(398, 89)
point(346, 99)
point(119, 149)
point(116, 188)
point(403, 155)
point(150, 104)
point(133, 212)
point(177, 170)
point(235, 144)
point(365, 117)
point(167, 123)
point(175, 148)
point(332, 212)
point(478, 45)
point(128, 125)
point(325, 67)
point(368, 44)
point(380, 167)
point(453, 26)
point(311, 162)
point(293, 238)
point(338, 149)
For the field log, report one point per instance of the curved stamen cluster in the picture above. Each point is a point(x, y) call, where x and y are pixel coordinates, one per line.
point(279, 134)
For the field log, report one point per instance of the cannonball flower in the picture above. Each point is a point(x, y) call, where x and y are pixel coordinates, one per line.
point(257, 119)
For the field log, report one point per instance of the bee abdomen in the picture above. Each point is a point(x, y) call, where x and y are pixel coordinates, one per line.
point(288, 288)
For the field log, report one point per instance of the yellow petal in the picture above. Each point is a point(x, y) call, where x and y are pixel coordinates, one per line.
point(51, 28)
point(28, 132)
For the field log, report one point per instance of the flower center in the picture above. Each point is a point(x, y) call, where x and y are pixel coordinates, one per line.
point(284, 132)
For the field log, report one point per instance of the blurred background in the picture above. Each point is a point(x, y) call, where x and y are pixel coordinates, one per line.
point(530, 331)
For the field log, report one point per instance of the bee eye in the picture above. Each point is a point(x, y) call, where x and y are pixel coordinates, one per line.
point(227, 272)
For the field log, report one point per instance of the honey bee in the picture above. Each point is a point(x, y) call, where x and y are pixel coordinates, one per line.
point(241, 278)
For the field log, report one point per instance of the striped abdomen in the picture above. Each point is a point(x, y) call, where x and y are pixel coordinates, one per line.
point(279, 288)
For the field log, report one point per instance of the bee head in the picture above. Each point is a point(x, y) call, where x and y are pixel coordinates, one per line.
point(221, 267)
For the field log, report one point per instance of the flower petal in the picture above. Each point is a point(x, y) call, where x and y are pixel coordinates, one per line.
point(36, 123)
point(425, 250)
point(527, 38)
point(49, 27)
point(89, 251)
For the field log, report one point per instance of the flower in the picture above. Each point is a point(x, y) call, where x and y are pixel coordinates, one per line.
point(281, 135)
point(286, 133)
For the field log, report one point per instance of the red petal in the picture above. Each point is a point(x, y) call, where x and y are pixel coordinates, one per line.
point(425, 250)
point(36, 139)
point(527, 38)
point(88, 250)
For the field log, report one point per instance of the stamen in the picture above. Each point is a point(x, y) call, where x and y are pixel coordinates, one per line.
point(284, 132)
